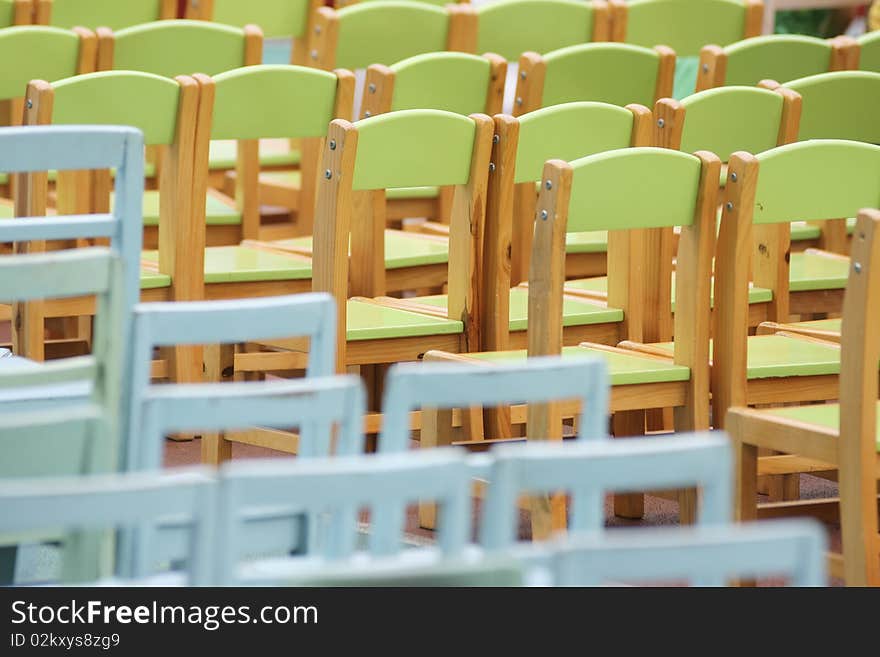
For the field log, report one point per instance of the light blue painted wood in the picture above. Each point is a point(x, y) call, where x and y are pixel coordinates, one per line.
point(336, 489)
point(412, 386)
point(703, 556)
point(314, 406)
point(115, 501)
point(588, 470)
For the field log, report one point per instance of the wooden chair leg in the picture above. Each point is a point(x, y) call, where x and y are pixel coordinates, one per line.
point(746, 496)
point(436, 432)
point(859, 529)
point(219, 366)
point(549, 513)
point(629, 423)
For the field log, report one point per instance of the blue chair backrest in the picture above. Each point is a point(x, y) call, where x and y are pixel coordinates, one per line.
point(587, 470)
point(337, 489)
point(86, 504)
point(702, 556)
point(411, 386)
point(313, 404)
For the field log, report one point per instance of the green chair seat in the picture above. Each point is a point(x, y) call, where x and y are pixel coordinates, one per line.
point(7, 210)
point(600, 284)
point(594, 241)
point(823, 415)
point(810, 271)
point(623, 369)
point(152, 280)
point(217, 213)
point(223, 153)
point(575, 312)
point(292, 179)
point(240, 264)
point(772, 356)
point(802, 231)
point(401, 249)
point(832, 325)
point(370, 321)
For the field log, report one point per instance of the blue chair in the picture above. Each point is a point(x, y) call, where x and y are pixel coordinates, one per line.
point(703, 556)
point(335, 490)
point(280, 404)
point(587, 470)
point(113, 501)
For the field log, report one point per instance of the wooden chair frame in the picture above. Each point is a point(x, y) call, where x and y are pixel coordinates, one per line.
point(852, 448)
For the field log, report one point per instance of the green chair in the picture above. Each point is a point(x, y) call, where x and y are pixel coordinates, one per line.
point(171, 48)
point(685, 26)
point(31, 52)
point(100, 13)
point(869, 52)
point(15, 12)
point(779, 57)
point(614, 73)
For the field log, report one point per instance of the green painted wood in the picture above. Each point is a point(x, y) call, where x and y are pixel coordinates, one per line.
point(412, 148)
point(817, 180)
point(801, 231)
point(238, 264)
point(294, 101)
point(815, 272)
point(685, 25)
point(370, 321)
point(145, 101)
point(780, 57)
point(179, 47)
point(616, 73)
point(603, 186)
point(401, 249)
point(35, 53)
point(277, 18)
point(869, 57)
point(594, 241)
point(223, 155)
point(730, 119)
point(450, 81)
point(101, 13)
point(387, 32)
point(567, 132)
point(623, 369)
point(217, 213)
point(7, 13)
point(151, 281)
point(822, 415)
point(513, 27)
point(837, 106)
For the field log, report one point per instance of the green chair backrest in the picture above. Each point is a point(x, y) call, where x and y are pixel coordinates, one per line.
point(779, 57)
point(413, 148)
point(387, 32)
point(181, 47)
point(839, 105)
point(277, 18)
point(729, 119)
point(513, 27)
point(567, 132)
point(685, 25)
point(143, 100)
point(817, 179)
point(602, 184)
point(614, 73)
point(451, 81)
point(115, 14)
point(35, 53)
point(295, 101)
point(869, 51)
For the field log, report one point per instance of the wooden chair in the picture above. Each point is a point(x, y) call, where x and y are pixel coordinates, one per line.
point(868, 52)
point(98, 13)
point(587, 470)
point(616, 73)
point(161, 409)
point(170, 48)
point(676, 189)
point(16, 12)
point(685, 27)
point(780, 57)
point(82, 505)
point(165, 110)
point(703, 556)
point(65, 417)
point(833, 436)
point(29, 53)
point(337, 489)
